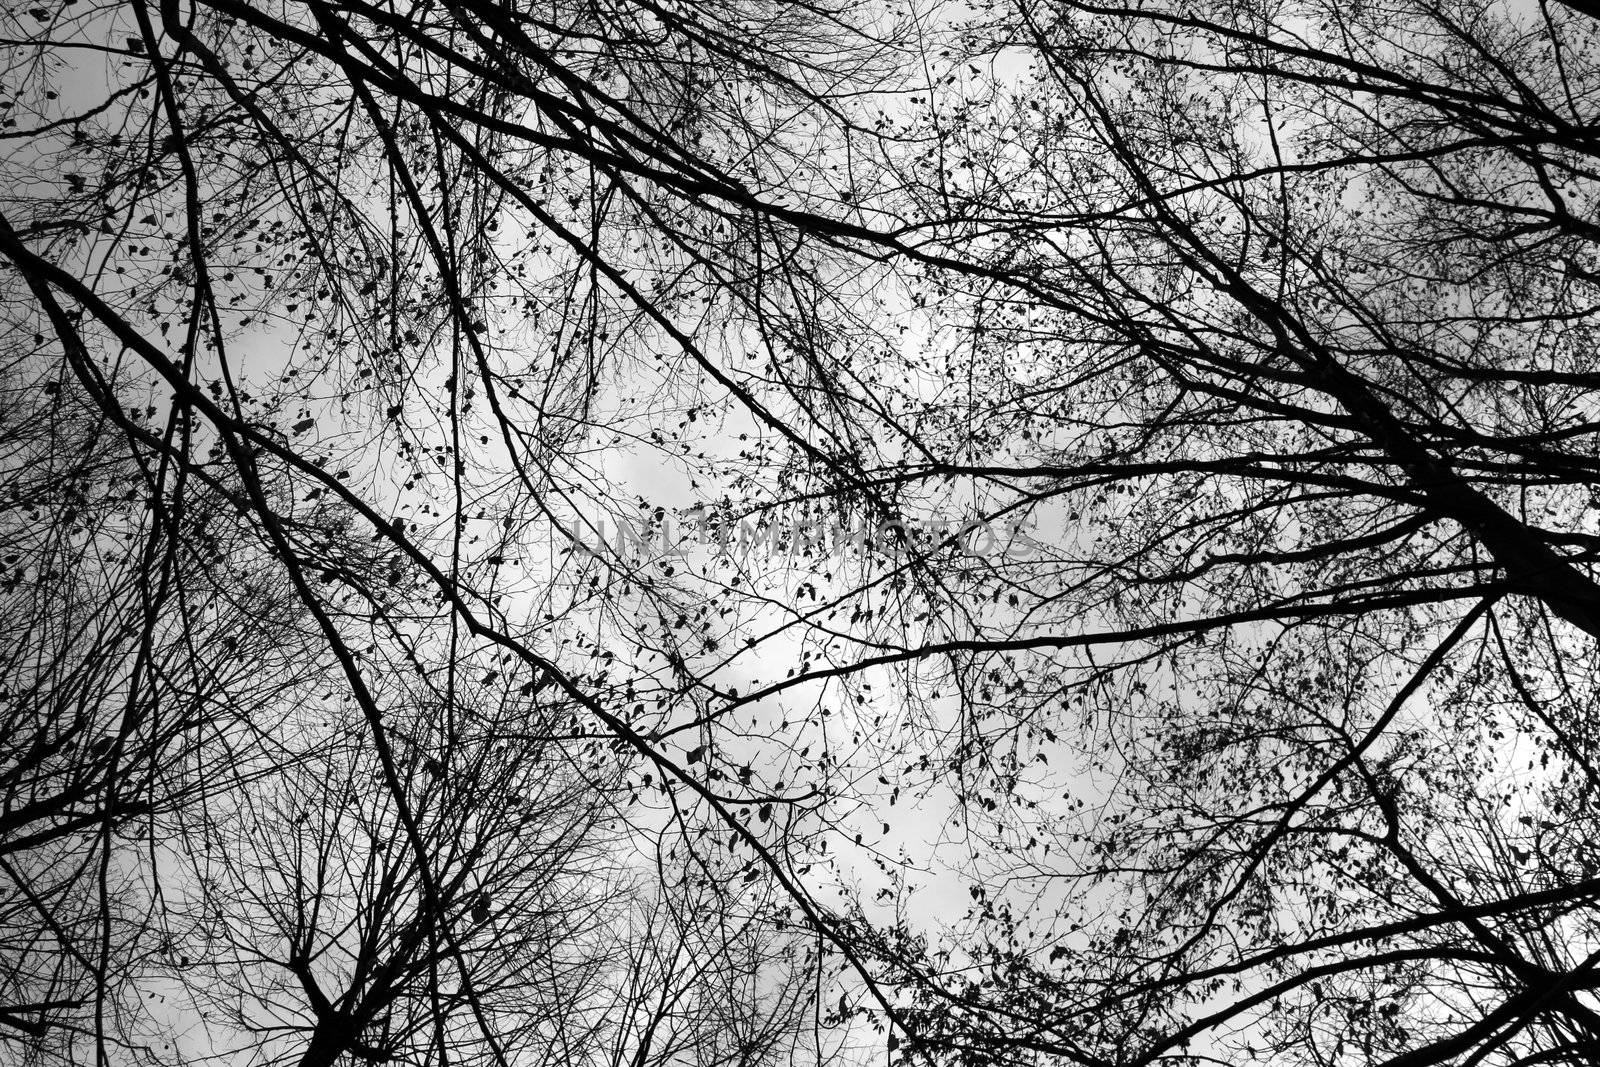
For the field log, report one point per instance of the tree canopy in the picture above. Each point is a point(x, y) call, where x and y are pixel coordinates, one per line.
point(753, 532)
